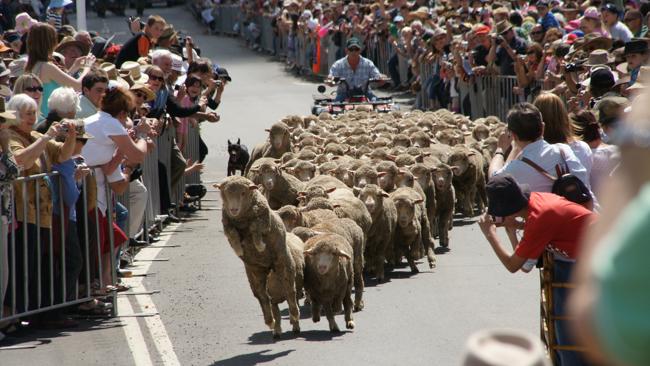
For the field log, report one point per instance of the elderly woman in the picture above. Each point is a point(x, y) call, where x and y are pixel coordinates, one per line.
point(36, 153)
point(63, 103)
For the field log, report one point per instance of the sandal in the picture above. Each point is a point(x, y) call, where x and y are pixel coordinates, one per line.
point(94, 307)
point(119, 287)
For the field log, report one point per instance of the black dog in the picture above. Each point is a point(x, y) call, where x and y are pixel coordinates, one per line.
point(238, 157)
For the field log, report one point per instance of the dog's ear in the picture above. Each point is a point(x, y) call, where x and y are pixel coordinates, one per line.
point(229, 143)
point(238, 141)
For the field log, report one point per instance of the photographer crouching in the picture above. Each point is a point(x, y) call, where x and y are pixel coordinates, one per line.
point(549, 223)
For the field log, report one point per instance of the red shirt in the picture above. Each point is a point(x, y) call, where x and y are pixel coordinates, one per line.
point(553, 223)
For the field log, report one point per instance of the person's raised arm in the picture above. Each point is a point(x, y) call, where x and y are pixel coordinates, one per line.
point(512, 262)
point(51, 72)
point(26, 157)
point(134, 151)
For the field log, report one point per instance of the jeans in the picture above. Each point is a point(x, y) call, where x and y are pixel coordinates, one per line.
point(393, 70)
point(562, 273)
point(121, 216)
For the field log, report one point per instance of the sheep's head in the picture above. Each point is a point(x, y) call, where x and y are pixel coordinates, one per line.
point(372, 197)
point(386, 174)
point(267, 174)
point(291, 217)
point(401, 140)
point(459, 160)
point(324, 254)
point(405, 159)
point(405, 178)
point(345, 175)
point(422, 174)
point(237, 195)
point(280, 136)
point(480, 132)
point(405, 209)
point(304, 171)
point(442, 177)
point(366, 174)
point(314, 192)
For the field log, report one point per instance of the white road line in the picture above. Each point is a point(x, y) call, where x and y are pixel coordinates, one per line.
point(133, 333)
point(154, 324)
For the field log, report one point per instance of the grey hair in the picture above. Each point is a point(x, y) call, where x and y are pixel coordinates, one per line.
point(20, 103)
point(64, 100)
point(159, 54)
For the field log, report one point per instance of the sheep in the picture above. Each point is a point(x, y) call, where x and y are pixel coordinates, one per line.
point(278, 187)
point(275, 284)
point(329, 276)
point(407, 240)
point(480, 132)
point(344, 205)
point(355, 237)
point(293, 216)
point(445, 201)
point(422, 174)
point(278, 144)
point(469, 178)
point(257, 236)
point(384, 219)
point(404, 160)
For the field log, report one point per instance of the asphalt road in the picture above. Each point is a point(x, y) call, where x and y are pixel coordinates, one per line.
point(207, 313)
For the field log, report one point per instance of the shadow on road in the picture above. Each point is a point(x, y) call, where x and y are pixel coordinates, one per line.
point(253, 358)
point(37, 337)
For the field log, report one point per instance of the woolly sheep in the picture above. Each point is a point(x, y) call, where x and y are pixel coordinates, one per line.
point(469, 178)
point(279, 143)
point(279, 188)
point(445, 201)
point(257, 236)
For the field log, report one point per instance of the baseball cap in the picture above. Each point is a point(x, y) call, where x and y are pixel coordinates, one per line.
point(482, 30)
point(609, 7)
point(505, 196)
point(221, 72)
point(398, 18)
point(353, 42)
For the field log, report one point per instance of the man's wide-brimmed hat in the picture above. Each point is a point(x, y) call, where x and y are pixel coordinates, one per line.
point(599, 57)
point(4, 113)
point(505, 196)
point(71, 42)
point(503, 26)
point(636, 45)
point(150, 95)
point(594, 41)
point(132, 71)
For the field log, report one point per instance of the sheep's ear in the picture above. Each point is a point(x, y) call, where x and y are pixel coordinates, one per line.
point(253, 187)
point(401, 172)
point(381, 174)
point(471, 153)
point(383, 193)
point(420, 200)
point(356, 190)
point(308, 252)
point(336, 205)
point(330, 190)
point(351, 172)
point(341, 253)
point(267, 129)
point(455, 169)
point(390, 157)
point(217, 185)
point(238, 141)
point(335, 157)
point(278, 161)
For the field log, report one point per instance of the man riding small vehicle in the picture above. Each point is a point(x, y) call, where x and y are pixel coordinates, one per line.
point(355, 73)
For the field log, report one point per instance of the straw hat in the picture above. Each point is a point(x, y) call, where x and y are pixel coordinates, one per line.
point(145, 89)
point(503, 26)
point(496, 347)
point(131, 70)
point(5, 92)
point(17, 67)
point(4, 113)
point(70, 41)
point(112, 73)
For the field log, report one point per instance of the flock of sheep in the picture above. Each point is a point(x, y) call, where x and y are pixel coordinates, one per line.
point(326, 199)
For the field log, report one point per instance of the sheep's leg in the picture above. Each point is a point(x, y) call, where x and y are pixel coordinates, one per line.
point(379, 263)
point(315, 311)
point(277, 331)
point(411, 255)
point(347, 307)
point(329, 313)
point(428, 242)
point(358, 285)
point(234, 240)
point(443, 230)
point(292, 300)
point(257, 280)
point(482, 196)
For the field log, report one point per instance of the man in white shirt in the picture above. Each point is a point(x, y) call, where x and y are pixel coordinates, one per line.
point(524, 138)
point(618, 30)
point(93, 89)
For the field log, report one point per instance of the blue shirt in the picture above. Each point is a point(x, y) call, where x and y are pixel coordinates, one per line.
point(355, 78)
point(548, 21)
point(70, 190)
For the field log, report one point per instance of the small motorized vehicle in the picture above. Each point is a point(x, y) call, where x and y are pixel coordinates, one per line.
point(357, 99)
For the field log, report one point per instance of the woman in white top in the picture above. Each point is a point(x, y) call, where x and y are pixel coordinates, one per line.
point(109, 147)
point(557, 128)
point(605, 157)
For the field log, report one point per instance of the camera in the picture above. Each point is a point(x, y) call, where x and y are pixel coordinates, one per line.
point(496, 219)
point(571, 67)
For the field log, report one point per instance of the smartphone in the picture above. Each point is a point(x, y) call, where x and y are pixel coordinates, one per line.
point(497, 219)
point(467, 67)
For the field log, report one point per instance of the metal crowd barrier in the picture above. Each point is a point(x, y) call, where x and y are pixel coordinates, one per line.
point(37, 257)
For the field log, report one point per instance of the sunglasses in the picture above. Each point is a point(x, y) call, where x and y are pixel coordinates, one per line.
point(33, 89)
point(155, 77)
point(354, 49)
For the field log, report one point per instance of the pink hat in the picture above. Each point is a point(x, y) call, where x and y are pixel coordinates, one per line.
point(572, 25)
point(591, 13)
point(24, 22)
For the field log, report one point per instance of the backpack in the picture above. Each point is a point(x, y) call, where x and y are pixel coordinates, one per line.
point(565, 184)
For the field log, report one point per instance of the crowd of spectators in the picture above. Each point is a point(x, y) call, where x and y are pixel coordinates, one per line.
point(93, 111)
